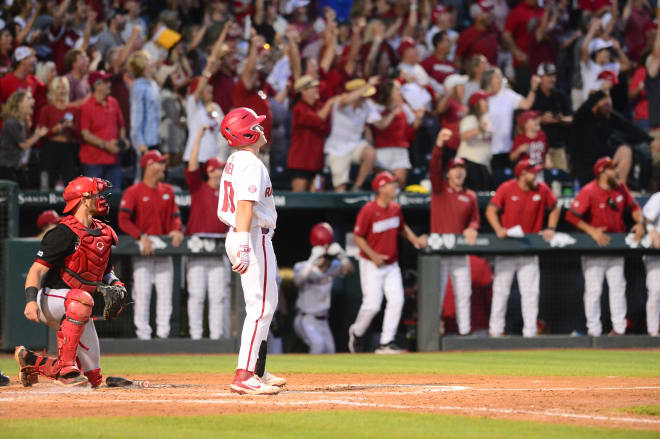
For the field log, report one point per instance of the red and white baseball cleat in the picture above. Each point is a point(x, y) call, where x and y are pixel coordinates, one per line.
point(273, 380)
point(72, 380)
point(253, 386)
point(27, 374)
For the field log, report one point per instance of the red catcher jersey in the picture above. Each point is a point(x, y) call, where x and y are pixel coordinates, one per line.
point(600, 208)
point(380, 226)
point(524, 208)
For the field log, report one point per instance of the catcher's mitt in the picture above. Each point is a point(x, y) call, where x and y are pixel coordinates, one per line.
point(114, 297)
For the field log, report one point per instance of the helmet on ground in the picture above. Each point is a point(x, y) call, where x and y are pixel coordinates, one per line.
point(241, 127)
point(86, 187)
point(321, 234)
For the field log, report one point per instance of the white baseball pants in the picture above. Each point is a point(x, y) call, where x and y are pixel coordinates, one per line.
point(527, 270)
point(147, 271)
point(458, 267)
point(595, 270)
point(315, 333)
point(376, 281)
point(207, 273)
point(653, 288)
point(51, 313)
point(260, 293)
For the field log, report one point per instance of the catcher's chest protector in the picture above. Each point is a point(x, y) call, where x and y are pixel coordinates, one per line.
point(92, 252)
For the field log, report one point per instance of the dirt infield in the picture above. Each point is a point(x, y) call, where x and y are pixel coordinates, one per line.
point(567, 400)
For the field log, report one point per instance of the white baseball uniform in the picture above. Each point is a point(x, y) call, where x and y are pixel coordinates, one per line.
point(314, 292)
point(652, 214)
point(212, 274)
point(246, 178)
point(148, 271)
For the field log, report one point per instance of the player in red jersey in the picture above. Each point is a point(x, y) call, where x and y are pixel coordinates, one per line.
point(73, 260)
point(377, 228)
point(598, 209)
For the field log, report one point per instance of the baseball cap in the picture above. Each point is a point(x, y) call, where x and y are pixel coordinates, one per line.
point(47, 217)
point(598, 44)
point(477, 96)
point(546, 69)
point(439, 10)
point(97, 75)
point(213, 164)
point(453, 80)
point(304, 82)
point(602, 164)
point(153, 156)
point(381, 179)
point(481, 6)
point(526, 165)
point(354, 84)
point(456, 161)
point(609, 75)
point(21, 53)
point(406, 44)
point(527, 115)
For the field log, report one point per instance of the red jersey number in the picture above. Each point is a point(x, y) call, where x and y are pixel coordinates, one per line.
point(228, 201)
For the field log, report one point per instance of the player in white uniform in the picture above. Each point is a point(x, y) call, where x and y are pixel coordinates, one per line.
point(313, 278)
point(246, 205)
point(651, 212)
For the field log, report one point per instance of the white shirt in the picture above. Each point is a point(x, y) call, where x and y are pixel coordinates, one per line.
point(315, 291)
point(500, 112)
point(453, 37)
point(652, 211)
point(347, 127)
point(198, 117)
point(246, 178)
point(590, 72)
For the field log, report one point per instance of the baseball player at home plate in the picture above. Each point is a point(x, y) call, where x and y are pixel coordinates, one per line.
point(377, 228)
point(313, 278)
point(72, 264)
point(520, 203)
point(652, 215)
point(598, 209)
point(246, 205)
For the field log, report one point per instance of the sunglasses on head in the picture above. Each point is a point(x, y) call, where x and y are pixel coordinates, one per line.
point(612, 204)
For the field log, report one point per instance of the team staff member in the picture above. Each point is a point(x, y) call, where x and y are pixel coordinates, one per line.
point(206, 273)
point(652, 215)
point(520, 202)
point(148, 208)
point(313, 278)
point(598, 209)
point(47, 221)
point(377, 228)
point(454, 209)
point(247, 206)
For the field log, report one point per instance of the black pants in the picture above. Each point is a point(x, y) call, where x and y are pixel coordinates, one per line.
point(59, 160)
point(478, 177)
point(502, 169)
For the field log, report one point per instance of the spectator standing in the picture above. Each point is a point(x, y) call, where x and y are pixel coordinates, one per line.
point(76, 63)
point(346, 144)
point(59, 151)
point(437, 64)
point(47, 221)
point(451, 110)
point(454, 210)
point(441, 17)
point(638, 100)
point(148, 208)
point(523, 203)
point(23, 78)
point(15, 144)
point(308, 131)
point(520, 38)
point(133, 19)
point(145, 103)
point(6, 46)
point(652, 86)
point(475, 67)
point(103, 132)
point(652, 216)
point(597, 210)
point(531, 143)
point(111, 36)
point(480, 38)
point(476, 133)
point(206, 273)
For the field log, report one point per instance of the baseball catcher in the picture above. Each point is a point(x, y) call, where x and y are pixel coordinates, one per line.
point(73, 264)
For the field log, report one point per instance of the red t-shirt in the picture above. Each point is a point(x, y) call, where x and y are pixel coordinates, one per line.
point(395, 134)
point(149, 210)
point(308, 133)
point(438, 69)
point(451, 211)
point(257, 100)
point(538, 147)
point(380, 226)
point(594, 5)
point(472, 41)
point(104, 120)
point(454, 112)
point(223, 88)
point(50, 115)
point(524, 208)
point(521, 23)
point(641, 103)
point(593, 206)
point(10, 84)
point(63, 40)
point(203, 205)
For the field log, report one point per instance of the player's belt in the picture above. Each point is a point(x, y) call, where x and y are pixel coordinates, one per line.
point(316, 316)
point(264, 230)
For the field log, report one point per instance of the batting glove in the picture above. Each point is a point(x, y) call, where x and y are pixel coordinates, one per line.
point(335, 250)
point(243, 260)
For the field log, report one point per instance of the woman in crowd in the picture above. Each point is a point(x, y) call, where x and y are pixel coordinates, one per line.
point(145, 103)
point(476, 133)
point(59, 151)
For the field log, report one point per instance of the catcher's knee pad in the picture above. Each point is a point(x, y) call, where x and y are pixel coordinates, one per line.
point(78, 306)
point(78, 310)
point(94, 377)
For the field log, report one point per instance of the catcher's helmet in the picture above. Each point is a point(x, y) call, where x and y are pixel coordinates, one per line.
point(321, 234)
point(241, 127)
point(86, 187)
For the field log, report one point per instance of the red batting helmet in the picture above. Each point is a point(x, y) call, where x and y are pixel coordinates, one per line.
point(241, 127)
point(86, 187)
point(321, 234)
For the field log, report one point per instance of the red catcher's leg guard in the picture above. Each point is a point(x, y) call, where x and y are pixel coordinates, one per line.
point(94, 377)
point(47, 366)
point(78, 309)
